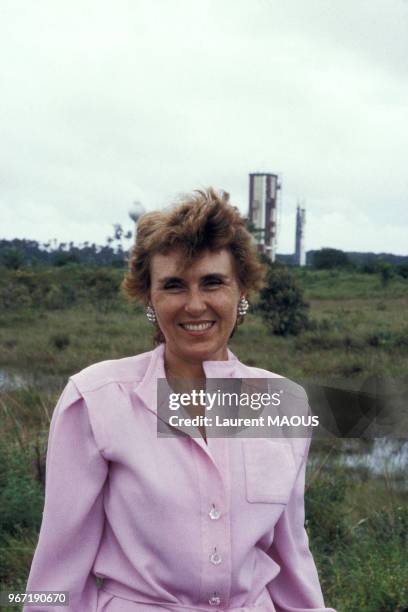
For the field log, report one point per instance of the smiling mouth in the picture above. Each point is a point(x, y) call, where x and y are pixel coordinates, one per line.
point(197, 327)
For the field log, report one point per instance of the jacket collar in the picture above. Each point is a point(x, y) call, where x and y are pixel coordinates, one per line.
point(146, 389)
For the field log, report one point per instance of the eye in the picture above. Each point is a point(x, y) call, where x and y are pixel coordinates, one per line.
point(213, 282)
point(172, 286)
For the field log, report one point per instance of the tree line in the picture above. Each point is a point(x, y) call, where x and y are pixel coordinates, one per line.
point(21, 253)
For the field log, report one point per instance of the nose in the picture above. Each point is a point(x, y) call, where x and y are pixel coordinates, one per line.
point(195, 303)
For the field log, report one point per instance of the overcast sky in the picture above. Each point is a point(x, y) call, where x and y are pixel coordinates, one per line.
point(107, 102)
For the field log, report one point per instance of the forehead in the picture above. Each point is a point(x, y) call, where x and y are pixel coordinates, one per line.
point(208, 262)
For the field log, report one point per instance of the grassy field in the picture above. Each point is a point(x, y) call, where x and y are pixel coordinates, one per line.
point(54, 322)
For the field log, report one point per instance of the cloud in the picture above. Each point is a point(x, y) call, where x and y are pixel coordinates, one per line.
point(107, 103)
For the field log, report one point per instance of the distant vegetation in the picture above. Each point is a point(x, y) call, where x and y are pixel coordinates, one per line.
point(58, 315)
point(20, 253)
point(333, 258)
point(17, 253)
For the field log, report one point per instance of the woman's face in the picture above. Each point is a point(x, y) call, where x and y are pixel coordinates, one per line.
point(196, 310)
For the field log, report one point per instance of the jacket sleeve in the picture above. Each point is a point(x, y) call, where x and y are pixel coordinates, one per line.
point(296, 588)
point(73, 514)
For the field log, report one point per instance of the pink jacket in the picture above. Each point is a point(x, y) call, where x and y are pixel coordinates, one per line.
point(170, 524)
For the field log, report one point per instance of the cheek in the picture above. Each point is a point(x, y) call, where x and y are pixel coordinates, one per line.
point(166, 307)
point(226, 307)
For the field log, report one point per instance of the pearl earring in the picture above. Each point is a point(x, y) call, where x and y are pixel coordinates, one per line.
point(150, 314)
point(243, 306)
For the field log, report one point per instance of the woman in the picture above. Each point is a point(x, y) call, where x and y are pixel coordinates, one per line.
point(176, 523)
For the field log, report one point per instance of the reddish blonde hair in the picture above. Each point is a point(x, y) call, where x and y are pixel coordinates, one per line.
point(202, 220)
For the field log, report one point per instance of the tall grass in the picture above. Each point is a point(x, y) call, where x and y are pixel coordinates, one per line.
point(55, 322)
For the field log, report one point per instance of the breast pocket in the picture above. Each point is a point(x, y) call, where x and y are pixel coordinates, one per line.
point(270, 470)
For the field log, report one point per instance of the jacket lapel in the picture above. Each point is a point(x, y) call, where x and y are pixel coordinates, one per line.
point(147, 389)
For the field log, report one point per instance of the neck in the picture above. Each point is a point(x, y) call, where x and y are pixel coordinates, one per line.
point(176, 366)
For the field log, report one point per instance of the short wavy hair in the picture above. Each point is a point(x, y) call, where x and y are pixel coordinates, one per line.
point(200, 221)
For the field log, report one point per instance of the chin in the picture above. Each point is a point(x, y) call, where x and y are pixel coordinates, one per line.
point(202, 351)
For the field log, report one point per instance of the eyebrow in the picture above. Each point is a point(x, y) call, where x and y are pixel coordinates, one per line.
point(167, 279)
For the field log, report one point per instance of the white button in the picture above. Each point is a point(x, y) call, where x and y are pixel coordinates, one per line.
point(214, 600)
point(214, 513)
point(215, 558)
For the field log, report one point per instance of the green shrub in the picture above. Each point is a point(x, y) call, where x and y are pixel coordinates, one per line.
point(386, 271)
point(328, 258)
point(54, 298)
point(12, 258)
point(281, 302)
point(402, 270)
point(64, 258)
point(60, 341)
point(14, 297)
point(102, 289)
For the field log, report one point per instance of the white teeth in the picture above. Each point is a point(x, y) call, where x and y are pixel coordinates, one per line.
point(197, 326)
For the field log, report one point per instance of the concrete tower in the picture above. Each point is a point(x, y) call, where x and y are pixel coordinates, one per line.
point(263, 200)
point(300, 255)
